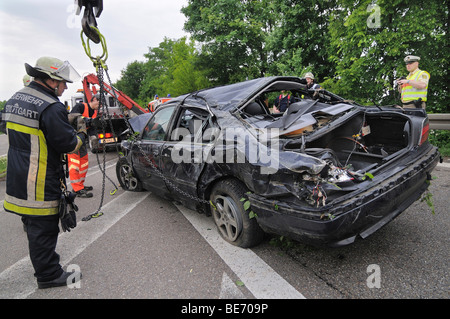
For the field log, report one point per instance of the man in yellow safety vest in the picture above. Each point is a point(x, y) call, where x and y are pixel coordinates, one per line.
point(414, 88)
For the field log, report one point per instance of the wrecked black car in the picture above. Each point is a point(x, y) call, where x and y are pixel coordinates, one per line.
point(325, 172)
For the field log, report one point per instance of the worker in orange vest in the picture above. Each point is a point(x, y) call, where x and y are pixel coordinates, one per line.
point(79, 161)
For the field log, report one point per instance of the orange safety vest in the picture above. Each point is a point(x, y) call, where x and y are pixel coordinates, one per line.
point(86, 112)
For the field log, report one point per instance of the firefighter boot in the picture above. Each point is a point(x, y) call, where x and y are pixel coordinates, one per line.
point(67, 278)
point(84, 194)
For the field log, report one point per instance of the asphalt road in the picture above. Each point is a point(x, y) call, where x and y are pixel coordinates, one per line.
point(147, 247)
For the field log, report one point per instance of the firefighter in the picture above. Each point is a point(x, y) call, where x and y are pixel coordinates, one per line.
point(310, 84)
point(79, 161)
point(39, 133)
point(414, 88)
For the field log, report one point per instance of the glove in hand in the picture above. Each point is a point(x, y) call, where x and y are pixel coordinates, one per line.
point(67, 214)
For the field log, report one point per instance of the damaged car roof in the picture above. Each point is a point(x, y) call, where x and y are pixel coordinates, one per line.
point(230, 97)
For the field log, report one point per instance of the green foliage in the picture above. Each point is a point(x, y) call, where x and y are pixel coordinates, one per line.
point(131, 79)
point(170, 68)
point(369, 56)
point(441, 139)
point(354, 48)
point(2, 105)
point(427, 197)
point(3, 165)
point(233, 35)
point(247, 206)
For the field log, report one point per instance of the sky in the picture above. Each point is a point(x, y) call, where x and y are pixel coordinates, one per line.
point(30, 29)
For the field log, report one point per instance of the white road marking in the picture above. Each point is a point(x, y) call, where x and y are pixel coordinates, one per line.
point(229, 290)
point(17, 281)
point(262, 281)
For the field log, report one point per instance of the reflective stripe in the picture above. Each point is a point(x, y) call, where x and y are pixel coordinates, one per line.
point(75, 167)
point(40, 95)
point(27, 207)
point(30, 211)
point(409, 93)
point(9, 117)
point(77, 180)
point(38, 161)
point(74, 160)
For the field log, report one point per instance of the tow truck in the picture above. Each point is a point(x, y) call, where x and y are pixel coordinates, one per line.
point(108, 131)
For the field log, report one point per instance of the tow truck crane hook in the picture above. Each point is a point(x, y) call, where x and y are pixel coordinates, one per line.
point(88, 19)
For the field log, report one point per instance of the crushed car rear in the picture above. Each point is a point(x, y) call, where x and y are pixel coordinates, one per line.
point(375, 164)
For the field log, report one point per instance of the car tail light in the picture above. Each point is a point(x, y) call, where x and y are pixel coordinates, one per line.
point(425, 131)
point(105, 135)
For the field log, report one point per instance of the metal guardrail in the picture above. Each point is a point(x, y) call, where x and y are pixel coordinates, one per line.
point(440, 121)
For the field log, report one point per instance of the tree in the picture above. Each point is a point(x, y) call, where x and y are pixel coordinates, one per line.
point(187, 75)
point(233, 36)
point(171, 68)
point(301, 39)
point(369, 43)
point(131, 79)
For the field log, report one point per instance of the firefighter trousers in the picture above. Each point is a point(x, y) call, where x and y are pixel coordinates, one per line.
point(42, 233)
point(78, 167)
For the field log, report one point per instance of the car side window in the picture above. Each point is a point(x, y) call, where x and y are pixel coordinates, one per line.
point(157, 127)
point(193, 125)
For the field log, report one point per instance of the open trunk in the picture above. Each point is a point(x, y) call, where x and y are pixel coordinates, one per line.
point(363, 141)
point(355, 146)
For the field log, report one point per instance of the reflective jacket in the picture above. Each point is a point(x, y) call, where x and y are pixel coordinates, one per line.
point(39, 133)
point(409, 93)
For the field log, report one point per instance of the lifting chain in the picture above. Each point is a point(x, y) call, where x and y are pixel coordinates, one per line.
point(100, 66)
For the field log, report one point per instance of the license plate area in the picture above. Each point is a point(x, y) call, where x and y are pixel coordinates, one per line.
point(108, 140)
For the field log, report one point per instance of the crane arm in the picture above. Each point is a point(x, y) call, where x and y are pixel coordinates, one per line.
point(121, 97)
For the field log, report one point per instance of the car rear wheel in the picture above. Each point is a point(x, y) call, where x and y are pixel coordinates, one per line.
point(126, 176)
point(232, 220)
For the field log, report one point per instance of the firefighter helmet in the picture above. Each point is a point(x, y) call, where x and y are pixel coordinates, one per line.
point(48, 67)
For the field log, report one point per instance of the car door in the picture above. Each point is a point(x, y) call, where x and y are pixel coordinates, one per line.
point(146, 154)
point(183, 154)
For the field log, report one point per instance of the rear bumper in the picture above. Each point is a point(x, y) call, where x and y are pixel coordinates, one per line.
point(359, 216)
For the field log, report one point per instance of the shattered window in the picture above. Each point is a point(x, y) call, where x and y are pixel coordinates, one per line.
point(192, 126)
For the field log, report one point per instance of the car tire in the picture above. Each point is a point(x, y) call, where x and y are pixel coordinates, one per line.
point(232, 220)
point(126, 176)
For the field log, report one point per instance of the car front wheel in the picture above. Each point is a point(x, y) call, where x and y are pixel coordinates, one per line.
point(232, 220)
point(125, 174)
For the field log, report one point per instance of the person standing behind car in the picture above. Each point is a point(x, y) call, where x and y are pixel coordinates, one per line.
point(39, 133)
point(310, 82)
point(282, 102)
point(415, 87)
point(79, 161)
